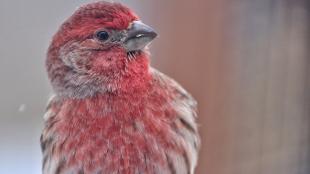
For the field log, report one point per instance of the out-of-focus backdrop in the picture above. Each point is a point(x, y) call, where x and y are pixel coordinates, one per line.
point(245, 61)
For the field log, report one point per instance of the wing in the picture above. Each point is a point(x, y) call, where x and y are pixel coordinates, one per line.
point(47, 139)
point(184, 125)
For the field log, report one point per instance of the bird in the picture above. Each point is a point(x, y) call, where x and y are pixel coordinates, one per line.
point(111, 112)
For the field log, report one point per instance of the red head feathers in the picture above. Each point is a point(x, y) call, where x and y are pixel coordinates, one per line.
point(95, 47)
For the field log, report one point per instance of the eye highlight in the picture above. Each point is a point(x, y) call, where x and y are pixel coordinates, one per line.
point(102, 35)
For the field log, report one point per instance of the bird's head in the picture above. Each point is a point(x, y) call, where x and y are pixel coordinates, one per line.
point(97, 47)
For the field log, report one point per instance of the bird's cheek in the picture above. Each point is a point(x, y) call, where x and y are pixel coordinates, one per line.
point(108, 62)
point(102, 63)
point(108, 65)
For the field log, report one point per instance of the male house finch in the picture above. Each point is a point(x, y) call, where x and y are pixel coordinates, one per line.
point(112, 113)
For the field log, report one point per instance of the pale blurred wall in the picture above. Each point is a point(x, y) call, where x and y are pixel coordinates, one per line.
point(246, 61)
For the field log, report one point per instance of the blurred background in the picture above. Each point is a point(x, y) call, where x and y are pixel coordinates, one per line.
point(245, 61)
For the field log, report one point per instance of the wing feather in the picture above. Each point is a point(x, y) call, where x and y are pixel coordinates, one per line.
point(185, 125)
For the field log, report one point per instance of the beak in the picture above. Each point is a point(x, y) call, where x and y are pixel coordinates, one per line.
point(138, 36)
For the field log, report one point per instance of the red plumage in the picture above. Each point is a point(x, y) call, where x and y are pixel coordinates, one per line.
point(111, 112)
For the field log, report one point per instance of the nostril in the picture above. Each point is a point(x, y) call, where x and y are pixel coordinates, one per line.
point(139, 35)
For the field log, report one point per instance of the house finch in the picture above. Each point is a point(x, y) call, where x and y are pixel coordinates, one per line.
point(112, 113)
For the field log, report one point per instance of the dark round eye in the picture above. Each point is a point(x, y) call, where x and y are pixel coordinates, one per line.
point(102, 35)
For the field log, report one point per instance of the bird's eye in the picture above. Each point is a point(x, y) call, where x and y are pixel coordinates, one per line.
point(102, 35)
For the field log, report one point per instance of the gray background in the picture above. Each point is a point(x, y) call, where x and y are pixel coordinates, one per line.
point(246, 61)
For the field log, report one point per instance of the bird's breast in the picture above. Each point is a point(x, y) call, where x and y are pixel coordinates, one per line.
point(102, 134)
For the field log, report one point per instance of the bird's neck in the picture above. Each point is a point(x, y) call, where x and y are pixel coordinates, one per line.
point(135, 79)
